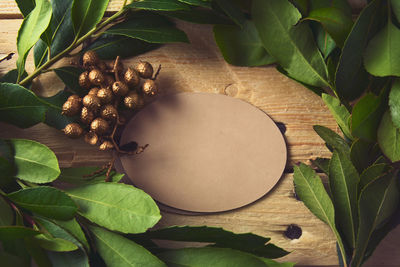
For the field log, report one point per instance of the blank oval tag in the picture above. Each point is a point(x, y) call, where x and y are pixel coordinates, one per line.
point(206, 153)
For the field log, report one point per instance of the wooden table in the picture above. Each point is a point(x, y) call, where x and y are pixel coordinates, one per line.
point(199, 67)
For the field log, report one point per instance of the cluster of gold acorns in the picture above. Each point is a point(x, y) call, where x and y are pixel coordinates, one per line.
point(108, 88)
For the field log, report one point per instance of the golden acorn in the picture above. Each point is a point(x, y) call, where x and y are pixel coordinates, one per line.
point(109, 112)
point(145, 69)
point(106, 145)
point(120, 88)
point(96, 77)
point(120, 67)
point(91, 138)
point(71, 107)
point(89, 59)
point(93, 91)
point(131, 77)
point(73, 130)
point(73, 97)
point(84, 80)
point(149, 87)
point(99, 126)
point(108, 80)
point(133, 100)
point(91, 102)
point(105, 95)
point(87, 116)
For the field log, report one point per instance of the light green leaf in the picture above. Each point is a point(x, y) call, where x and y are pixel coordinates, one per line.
point(311, 191)
point(372, 172)
point(241, 46)
point(31, 29)
point(394, 103)
point(73, 228)
point(118, 207)
point(389, 138)
point(35, 162)
point(16, 232)
point(232, 11)
point(46, 201)
point(332, 139)
point(20, 106)
point(363, 154)
point(295, 49)
point(161, 5)
point(396, 8)
point(381, 56)
point(54, 244)
point(25, 6)
point(77, 176)
point(86, 14)
point(378, 201)
point(6, 213)
point(118, 251)
point(339, 112)
point(343, 181)
point(272, 263)
point(335, 22)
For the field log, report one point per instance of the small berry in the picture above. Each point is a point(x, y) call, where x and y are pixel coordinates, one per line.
point(105, 95)
point(131, 77)
point(96, 77)
point(87, 116)
point(84, 81)
point(109, 112)
point(120, 88)
point(71, 107)
point(91, 138)
point(99, 126)
point(133, 100)
point(90, 58)
point(106, 145)
point(93, 91)
point(73, 130)
point(91, 102)
point(145, 69)
point(149, 87)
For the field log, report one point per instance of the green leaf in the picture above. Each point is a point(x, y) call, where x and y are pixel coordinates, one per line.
point(118, 207)
point(70, 77)
point(335, 21)
point(109, 46)
point(78, 176)
point(332, 139)
point(363, 154)
point(6, 213)
point(161, 5)
point(54, 244)
point(322, 164)
point(272, 263)
point(295, 49)
point(8, 259)
point(25, 6)
point(20, 106)
point(7, 172)
point(389, 138)
point(12, 77)
point(339, 112)
point(200, 3)
point(366, 116)
point(394, 103)
point(396, 8)
point(351, 77)
point(324, 41)
point(339, 4)
point(381, 55)
point(37, 253)
point(198, 16)
point(73, 228)
point(46, 201)
point(311, 191)
point(40, 53)
point(119, 251)
point(378, 201)
point(232, 11)
point(246, 242)
point(205, 257)
point(241, 46)
point(16, 232)
point(343, 181)
point(150, 28)
point(372, 172)
point(75, 258)
point(35, 162)
point(86, 14)
point(31, 29)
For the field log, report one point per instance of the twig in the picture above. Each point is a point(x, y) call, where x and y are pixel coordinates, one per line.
point(8, 57)
point(157, 72)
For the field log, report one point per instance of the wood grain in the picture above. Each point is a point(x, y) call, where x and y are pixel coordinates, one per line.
point(199, 67)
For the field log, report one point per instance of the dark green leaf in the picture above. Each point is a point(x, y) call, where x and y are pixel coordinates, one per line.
point(12, 77)
point(199, 16)
point(302, 6)
point(17, 248)
point(389, 138)
point(246, 242)
point(75, 258)
point(46, 201)
point(81, 176)
point(343, 181)
point(339, 112)
point(150, 28)
point(73, 228)
point(295, 49)
point(56, 120)
point(54, 243)
point(241, 46)
point(332, 139)
point(312, 192)
point(119, 251)
point(7, 172)
point(6, 213)
point(37, 253)
point(160, 5)
point(324, 41)
point(366, 116)
point(86, 14)
point(31, 29)
point(8, 259)
point(351, 77)
point(322, 164)
point(16, 232)
point(70, 77)
point(205, 257)
point(20, 106)
point(25, 6)
point(40, 53)
point(363, 154)
point(34, 162)
point(200, 3)
point(396, 8)
point(394, 103)
point(118, 207)
point(109, 46)
point(372, 172)
point(232, 11)
point(335, 22)
point(378, 201)
point(339, 4)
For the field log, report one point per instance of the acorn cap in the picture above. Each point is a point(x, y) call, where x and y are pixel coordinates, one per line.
point(71, 107)
point(145, 69)
point(99, 126)
point(106, 145)
point(109, 112)
point(105, 95)
point(87, 116)
point(91, 138)
point(73, 130)
point(149, 88)
point(120, 88)
point(84, 80)
point(91, 102)
point(96, 77)
point(131, 77)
